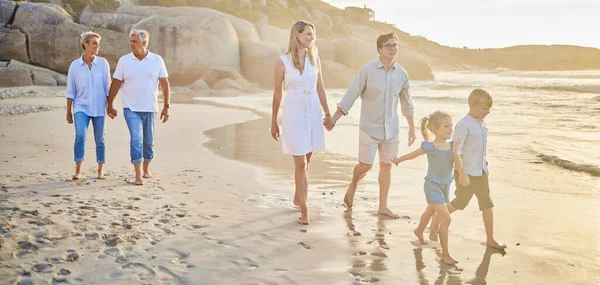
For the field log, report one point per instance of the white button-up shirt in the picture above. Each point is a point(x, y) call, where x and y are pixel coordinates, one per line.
point(380, 90)
point(140, 81)
point(473, 144)
point(89, 87)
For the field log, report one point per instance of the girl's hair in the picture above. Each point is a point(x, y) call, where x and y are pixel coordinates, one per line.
point(294, 44)
point(430, 123)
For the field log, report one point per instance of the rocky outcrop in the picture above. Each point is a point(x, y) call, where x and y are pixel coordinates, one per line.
point(274, 36)
point(227, 83)
point(116, 22)
point(199, 85)
point(42, 79)
point(257, 61)
point(336, 75)
point(54, 37)
point(214, 74)
point(355, 53)
point(325, 49)
point(15, 77)
point(60, 79)
point(190, 45)
point(14, 45)
point(322, 22)
point(7, 9)
point(243, 28)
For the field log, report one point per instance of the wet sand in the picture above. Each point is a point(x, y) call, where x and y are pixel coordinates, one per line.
point(219, 211)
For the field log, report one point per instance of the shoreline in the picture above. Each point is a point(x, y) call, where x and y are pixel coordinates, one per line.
point(210, 219)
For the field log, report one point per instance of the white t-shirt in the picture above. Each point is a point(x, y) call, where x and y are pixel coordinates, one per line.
point(140, 81)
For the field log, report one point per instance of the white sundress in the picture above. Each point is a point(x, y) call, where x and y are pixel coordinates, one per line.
point(302, 130)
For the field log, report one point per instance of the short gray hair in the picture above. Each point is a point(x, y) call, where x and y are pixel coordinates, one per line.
point(142, 34)
point(87, 36)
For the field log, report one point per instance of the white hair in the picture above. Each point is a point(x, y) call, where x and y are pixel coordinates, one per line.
point(87, 36)
point(142, 34)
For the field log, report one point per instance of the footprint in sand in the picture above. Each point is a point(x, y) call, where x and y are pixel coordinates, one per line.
point(363, 279)
point(140, 269)
point(306, 246)
point(71, 256)
point(44, 267)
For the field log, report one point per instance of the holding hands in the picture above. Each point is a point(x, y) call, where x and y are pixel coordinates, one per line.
point(112, 112)
point(328, 122)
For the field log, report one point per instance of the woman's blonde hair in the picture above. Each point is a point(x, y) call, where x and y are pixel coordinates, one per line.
point(86, 37)
point(294, 44)
point(430, 123)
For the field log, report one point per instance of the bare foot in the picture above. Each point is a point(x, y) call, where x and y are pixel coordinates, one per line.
point(433, 236)
point(387, 212)
point(449, 260)
point(77, 176)
point(495, 244)
point(138, 181)
point(348, 202)
point(101, 175)
point(303, 220)
point(147, 175)
point(420, 237)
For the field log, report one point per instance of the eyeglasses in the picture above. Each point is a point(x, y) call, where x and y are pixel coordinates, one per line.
point(391, 46)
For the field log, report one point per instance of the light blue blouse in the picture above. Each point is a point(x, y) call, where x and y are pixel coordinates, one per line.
point(89, 87)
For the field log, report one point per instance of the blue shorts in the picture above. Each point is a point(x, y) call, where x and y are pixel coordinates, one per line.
point(436, 193)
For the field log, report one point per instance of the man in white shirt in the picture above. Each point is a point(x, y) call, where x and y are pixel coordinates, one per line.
point(137, 75)
point(381, 85)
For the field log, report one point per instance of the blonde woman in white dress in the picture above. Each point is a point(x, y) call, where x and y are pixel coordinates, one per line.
point(302, 123)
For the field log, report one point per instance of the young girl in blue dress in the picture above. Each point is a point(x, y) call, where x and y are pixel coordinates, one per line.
point(442, 157)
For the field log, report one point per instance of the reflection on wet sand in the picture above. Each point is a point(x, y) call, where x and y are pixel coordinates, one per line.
point(362, 261)
point(250, 142)
point(451, 274)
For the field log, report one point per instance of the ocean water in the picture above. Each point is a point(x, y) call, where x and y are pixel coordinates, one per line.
point(544, 161)
point(544, 127)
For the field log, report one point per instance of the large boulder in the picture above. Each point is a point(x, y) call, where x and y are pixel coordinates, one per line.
point(325, 49)
point(323, 23)
point(7, 9)
point(257, 61)
point(14, 45)
point(113, 45)
point(60, 79)
point(227, 83)
point(274, 36)
point(336, 75)
point(243, 28)
point(214, 74)
point(54, 37)
point(417, 68)
point(42, 79)
point(15, 77)
point(199, 85)
point(190, 45)
point(116, 22)
point(355, 53)
point(304, 13)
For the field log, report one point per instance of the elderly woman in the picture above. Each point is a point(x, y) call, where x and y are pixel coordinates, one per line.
point(87, 88)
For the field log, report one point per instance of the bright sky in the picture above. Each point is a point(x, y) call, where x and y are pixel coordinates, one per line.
point(487, 23)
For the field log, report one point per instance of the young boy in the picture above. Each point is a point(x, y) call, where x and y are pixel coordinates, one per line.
point(473, 178)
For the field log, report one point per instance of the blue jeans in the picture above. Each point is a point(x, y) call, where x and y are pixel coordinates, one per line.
point(82, 121)
point(141, 131)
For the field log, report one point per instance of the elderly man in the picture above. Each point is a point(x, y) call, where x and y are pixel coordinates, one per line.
point(381, 85)
point(137, 75)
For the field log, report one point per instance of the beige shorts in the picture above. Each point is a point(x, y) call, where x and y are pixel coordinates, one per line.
point(368, 146)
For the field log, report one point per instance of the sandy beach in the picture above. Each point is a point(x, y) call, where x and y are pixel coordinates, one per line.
point(219, 211)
